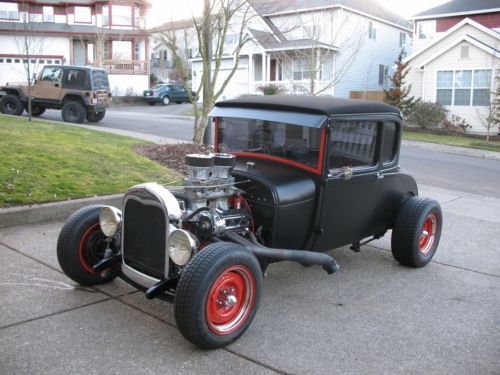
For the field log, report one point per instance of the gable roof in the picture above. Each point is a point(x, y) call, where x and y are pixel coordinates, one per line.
point(460, 7)
point(465, 21)
point(269, 43)
point(369, 8)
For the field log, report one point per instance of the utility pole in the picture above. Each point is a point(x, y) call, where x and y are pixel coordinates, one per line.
point(207, 45)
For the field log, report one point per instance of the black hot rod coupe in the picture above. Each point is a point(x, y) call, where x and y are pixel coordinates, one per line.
point(291, 177)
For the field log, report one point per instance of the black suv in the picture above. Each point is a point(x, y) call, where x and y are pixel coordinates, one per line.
point(80, 92)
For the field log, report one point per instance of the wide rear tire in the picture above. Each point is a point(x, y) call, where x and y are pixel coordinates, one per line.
point(11, 105)
point(81, 245)
point(73, 112)
point(416, 234)
point(218, 295)
point(95, 116)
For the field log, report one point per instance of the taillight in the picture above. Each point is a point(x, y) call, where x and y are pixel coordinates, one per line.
point(155, 93)
point(94, 97)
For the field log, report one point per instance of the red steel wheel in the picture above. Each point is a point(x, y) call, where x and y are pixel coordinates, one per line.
point(428, 235)
point(230, 300)
point(92, 247)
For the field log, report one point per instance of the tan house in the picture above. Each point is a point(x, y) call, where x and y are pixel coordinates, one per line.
point(456, 58)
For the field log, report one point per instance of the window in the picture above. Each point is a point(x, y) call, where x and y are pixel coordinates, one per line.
point(353, 144)
point(137, 51)
point(122, 15)
point(9, 11)
point(1, 60)
point(57, 62)
point(122, 50)
point(372, 31)
point(464, 52)
point(48, 14)
point(231, 39)
point(17, 61)
point(8, 60)
point(389, 144)
point(300, 69)
point(105, 15)
point(426, 29)
point(83, 15)
point(76, 78)
point(402, 39)
point(100, 79)
point(35, 17)
point(51, 74)
point(49, 61)
point(33, 61)
point(463, 87)
point(482, 84)
point(138, 19)
point(383, 74)
point(90, 53)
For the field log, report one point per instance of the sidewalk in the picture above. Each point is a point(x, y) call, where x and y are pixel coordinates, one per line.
point(374, 316)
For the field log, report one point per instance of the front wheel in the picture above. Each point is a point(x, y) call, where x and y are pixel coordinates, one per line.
point(95, 116)
point(218, 295)
point(417, 231)
point(81, 245)
point(11, 105)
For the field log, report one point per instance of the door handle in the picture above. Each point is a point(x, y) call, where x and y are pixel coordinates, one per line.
point(380, 176)
point(56, 84)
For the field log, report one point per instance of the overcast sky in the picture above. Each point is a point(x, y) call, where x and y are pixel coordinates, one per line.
point(166, 10)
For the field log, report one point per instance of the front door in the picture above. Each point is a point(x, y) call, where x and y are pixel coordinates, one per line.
point(48, 87)
point(361, 206)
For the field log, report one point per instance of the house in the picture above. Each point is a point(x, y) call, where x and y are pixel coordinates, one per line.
point(318, 47)
point(104, 33)
point(456, 57)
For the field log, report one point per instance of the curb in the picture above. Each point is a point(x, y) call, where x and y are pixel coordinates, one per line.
point(54, 211)
point(456, 150)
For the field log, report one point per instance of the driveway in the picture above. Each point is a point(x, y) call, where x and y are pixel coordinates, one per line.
point(374, 316)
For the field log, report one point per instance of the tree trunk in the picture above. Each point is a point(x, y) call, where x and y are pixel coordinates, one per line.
point(199, 129)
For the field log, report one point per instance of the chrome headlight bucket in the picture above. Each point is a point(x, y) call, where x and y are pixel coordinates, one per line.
point(110, 219)
point(182, 244)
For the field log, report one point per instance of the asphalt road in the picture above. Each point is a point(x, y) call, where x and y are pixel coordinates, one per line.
point(458, 172)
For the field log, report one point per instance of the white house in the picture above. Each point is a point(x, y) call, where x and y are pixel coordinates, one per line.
point(104, 33)
point(355, 42)
point(456, 58)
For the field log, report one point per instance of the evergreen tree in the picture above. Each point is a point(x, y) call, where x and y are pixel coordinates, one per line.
point(399, 93)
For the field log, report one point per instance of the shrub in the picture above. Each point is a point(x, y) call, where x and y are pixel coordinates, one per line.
point(456, 124)
point(427, 115)
point(271, 89)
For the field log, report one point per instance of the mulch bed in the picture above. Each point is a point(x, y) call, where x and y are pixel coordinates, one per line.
point(171, 156)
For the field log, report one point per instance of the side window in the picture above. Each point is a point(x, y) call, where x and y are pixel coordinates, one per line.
point(389, 142)
point(52, 74)
point(76, 79)
point(353, 144)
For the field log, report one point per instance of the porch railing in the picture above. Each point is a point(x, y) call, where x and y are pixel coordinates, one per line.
point(301, 87)
point(126, 66)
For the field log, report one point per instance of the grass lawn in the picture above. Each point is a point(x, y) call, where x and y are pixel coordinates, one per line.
point(43, 162)
point(453, 140)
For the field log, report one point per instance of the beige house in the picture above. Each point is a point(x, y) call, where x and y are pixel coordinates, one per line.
point(457, 66)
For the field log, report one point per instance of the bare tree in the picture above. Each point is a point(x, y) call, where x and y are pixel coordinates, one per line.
point(220, 17)
point(323, 61)
point(29, 44)
point(488, 115)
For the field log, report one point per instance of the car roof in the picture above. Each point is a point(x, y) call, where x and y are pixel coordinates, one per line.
point(322, 105)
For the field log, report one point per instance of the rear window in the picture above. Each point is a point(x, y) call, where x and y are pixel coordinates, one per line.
point(270, 140)
point(100, 79)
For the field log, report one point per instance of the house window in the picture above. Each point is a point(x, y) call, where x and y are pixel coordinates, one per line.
point(463, 87)
point(137, 51)
point(90, 53)
point(383, 74)
point(138, 19)
point(83, 15)
point(372, 31)
point(35, 17)
point(122, 15)
point(464, 52)
point(231, 39)
point(402, 39)
point(482, 84)
point(300, 70)
point(426, 29)
point(122, 50)
point(9, 11)
point(48, 14)
point(105, 15)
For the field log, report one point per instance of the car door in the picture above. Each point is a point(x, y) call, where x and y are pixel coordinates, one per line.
point(362, 205)
point(48, 87)
point(181, 94)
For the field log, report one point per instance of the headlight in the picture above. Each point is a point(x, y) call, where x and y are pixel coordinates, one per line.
point(182, 245)
point(110, 219)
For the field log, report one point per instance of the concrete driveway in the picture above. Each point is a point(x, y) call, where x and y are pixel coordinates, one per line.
point(374, 316)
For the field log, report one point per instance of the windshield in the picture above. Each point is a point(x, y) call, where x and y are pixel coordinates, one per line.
point(292, 144)
point(100, 79)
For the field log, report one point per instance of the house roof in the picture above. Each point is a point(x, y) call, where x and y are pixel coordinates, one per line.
point(269, 43)
point(177, 25)
point(465, 21)
point(460, 7)
point(322, 105)
point(369, 7)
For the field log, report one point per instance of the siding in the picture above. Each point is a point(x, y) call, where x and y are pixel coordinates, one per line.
point(490, 20)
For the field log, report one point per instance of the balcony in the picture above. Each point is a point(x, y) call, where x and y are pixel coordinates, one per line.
point(126, 66)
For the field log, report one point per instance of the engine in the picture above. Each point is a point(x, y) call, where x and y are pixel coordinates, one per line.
point(212, 202)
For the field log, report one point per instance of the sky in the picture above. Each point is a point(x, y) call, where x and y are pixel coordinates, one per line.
point(167, 10)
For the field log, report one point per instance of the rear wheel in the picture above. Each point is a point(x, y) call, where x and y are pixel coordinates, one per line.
point(81, 245)
point(165, 100)
point(73, 112)
point(417, 231)
point(218, 295)
point(95, 116)
point(11, 105)
point(151, 103)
